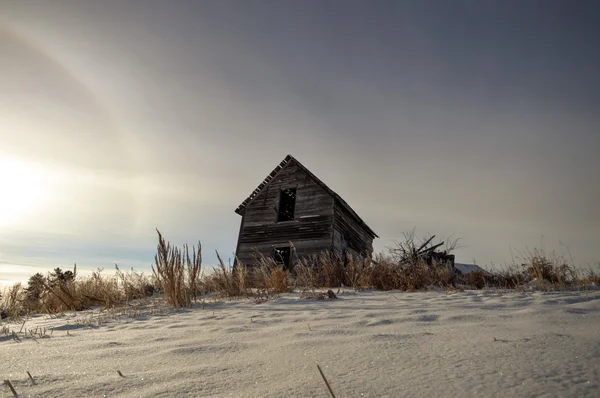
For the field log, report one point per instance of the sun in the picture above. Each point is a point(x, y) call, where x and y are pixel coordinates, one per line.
point(22, 190)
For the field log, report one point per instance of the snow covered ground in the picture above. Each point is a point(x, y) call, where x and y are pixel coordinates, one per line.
point(368, 344)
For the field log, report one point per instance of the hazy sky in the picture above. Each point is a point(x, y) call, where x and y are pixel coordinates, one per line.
point(475, 119)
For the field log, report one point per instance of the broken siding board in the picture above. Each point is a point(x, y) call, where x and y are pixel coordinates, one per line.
point(298, 244)
point(321, 231)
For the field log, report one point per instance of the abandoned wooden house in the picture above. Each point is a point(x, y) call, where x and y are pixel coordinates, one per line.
point(293, 205)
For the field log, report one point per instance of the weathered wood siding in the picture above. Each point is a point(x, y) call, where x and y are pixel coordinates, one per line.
point(341, 244)
point(310, 231)
point(349, 234)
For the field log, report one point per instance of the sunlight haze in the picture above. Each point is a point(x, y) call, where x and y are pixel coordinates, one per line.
point(472, 120)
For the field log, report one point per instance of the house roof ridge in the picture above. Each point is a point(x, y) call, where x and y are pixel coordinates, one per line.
point(287, 160)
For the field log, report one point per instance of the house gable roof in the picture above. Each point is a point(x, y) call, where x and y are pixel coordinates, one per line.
point(289, 159)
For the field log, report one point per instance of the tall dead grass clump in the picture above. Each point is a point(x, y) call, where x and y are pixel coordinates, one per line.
point(269, 277)
point(279, 281)
point(357, 272)
point(176, 273)
point(591, 276)
point(552, 268)
point(385, 273)
point(420, 275)
point(477, 279)
point(548, 270)
point(307, 273)
point(510, 277)
point(100, 290)
point(228, 281)
point(260, 272)
point(136, 285)
point(332, 269)
point(111, 291)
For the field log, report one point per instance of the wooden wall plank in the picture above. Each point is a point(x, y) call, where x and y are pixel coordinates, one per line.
point(349, 230)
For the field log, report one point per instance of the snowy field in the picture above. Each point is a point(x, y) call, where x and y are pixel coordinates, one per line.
point(368, 344)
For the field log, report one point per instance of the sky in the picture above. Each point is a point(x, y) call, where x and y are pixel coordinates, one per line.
point(477, 120)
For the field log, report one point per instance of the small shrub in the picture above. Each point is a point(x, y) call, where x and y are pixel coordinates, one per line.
point(385, 274)
point(477, 279)
point(278, 281)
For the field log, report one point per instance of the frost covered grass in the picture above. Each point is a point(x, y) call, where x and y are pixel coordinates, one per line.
point(490, 342)
point(540, 269)
point(62, 291)
point(179, 279)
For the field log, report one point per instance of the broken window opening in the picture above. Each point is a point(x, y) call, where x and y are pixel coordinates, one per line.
point(287, 204)
point(283, 256)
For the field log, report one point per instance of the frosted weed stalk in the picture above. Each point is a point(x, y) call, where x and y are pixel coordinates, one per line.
point(177, 274)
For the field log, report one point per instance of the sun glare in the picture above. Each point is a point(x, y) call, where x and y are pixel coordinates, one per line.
point(22, 190)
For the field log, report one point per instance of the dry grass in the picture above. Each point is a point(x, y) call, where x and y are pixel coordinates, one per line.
point(357, 272)
point(101, 290)
point(388, 274)
point(61, 291)
point(591, 276)
point(546, 270)
point(261, 281)
point(477, 279)
point(404, 266)
point(177, 274)
point(267, 277)
point(307, 274)
point(537, 268)
point(550, 267)
point(332, 270)
point(228, 281)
